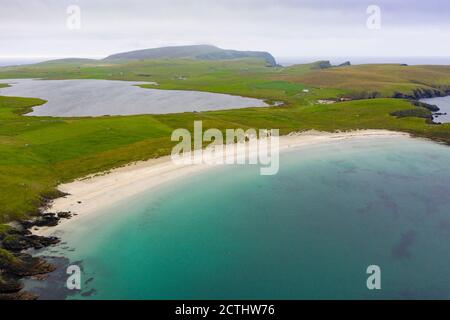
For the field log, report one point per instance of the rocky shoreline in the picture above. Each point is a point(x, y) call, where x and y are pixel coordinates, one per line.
point(418, 94)
point(16, 264)
point(414, 98)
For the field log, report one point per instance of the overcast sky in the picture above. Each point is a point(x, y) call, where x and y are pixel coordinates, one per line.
point(286, 28)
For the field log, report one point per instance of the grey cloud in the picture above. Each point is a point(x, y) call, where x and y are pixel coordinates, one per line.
point(284, 27)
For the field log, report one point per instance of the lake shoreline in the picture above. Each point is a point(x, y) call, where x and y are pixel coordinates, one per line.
point(111, 98)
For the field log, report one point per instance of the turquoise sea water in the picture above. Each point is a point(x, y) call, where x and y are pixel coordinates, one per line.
point(309, 232)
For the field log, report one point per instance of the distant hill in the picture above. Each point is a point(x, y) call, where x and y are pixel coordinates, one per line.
point(200, 52)
point(69, 60)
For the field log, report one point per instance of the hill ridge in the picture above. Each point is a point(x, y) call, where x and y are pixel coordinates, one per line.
point(199, 52)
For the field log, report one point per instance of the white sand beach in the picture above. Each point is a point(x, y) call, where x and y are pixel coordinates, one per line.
point(89, 195)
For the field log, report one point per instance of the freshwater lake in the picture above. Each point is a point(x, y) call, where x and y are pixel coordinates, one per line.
point(79, 98)
point(309, 232)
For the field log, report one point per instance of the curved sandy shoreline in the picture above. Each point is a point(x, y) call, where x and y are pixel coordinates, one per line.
point(89, 195)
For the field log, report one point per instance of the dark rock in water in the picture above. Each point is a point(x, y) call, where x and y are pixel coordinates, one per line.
point(39, 277)
point(39, 242)
point(21, 295)
point(89, 293)
point(19, 242)
point(9, 285)
point(26, 265)
point(54, 287)
point(15, 265)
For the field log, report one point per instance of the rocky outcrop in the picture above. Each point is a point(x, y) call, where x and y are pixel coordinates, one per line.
point(15, 264)
point(64, 215)
point(345, 64)
point(44, 220)
point(24, 264)
point(19, 242)
point(421, 110)
point(13, 267)
point(431, 107)
point(325, 64)
point(21, 295)
point(10, 285)
point(422, 93)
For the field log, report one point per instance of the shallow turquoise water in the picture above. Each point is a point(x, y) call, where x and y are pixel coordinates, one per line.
point(307, 233)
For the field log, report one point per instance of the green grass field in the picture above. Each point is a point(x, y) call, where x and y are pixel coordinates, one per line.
point(38, 153)
point(385, 79)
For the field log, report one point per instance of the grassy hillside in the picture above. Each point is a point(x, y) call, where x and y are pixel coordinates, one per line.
point(246, 76)
point(200, 52)
point(38, 153)
point(249, 77)
point(385, 79)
